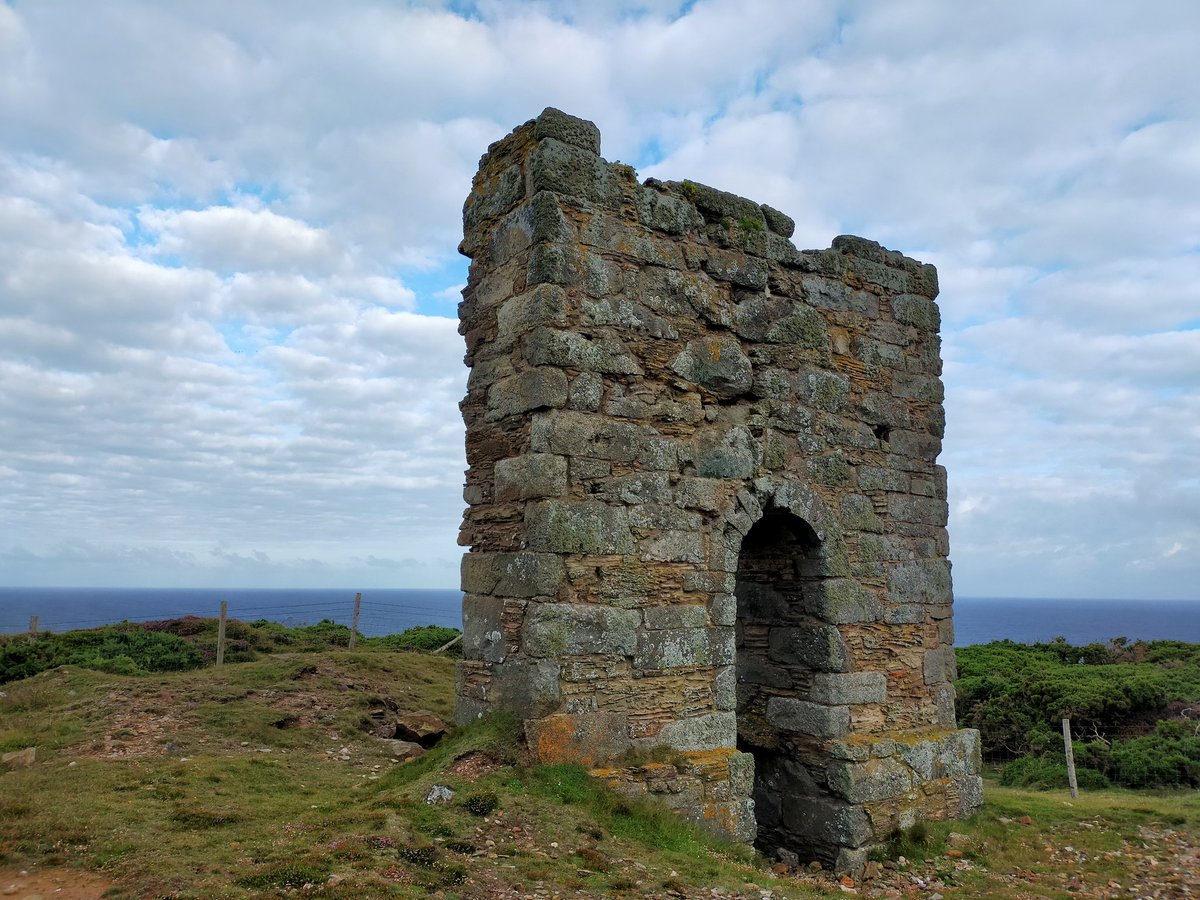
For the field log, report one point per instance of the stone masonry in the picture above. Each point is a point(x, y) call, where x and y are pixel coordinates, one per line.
point(704, 511)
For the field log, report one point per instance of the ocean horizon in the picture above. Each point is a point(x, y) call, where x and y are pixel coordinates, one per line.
point(977, 620)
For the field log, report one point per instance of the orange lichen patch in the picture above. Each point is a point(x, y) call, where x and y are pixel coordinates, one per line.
point(556, 741)
point(710, 765)
point(584, 738)
point(723, 815)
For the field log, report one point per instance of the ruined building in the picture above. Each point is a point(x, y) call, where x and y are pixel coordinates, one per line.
point(704, 508)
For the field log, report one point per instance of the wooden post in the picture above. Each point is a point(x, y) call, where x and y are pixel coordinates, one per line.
point(221, 633)
point(450, 643)
point(33, 626)
point(1066, 725)
point(354, 622)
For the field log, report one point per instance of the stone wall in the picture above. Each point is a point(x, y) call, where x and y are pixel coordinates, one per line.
point(704, 510)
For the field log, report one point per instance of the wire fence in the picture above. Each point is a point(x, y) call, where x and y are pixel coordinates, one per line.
point(378, 616)
point(1148, 751)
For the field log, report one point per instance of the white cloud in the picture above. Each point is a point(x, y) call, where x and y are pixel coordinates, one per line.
point(228, 239)
point(224, 228)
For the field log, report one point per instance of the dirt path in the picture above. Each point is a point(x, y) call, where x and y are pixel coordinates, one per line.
point(44, 884)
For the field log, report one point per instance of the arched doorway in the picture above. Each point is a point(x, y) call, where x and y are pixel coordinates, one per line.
point(781, 643)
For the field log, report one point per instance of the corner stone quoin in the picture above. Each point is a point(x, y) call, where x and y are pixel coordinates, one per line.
point(704, 509)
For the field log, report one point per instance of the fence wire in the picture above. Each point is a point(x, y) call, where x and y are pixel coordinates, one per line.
point(373, 614)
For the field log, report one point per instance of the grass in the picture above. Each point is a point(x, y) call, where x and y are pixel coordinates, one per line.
point(186, 784)
point(183, 784)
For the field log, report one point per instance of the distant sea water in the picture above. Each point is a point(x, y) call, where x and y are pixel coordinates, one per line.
point(382, 611)
point(977, 620)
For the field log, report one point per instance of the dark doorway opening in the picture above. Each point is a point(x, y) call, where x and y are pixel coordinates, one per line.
point(778, 584)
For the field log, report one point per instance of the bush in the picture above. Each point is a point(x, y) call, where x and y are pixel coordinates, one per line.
point(122, 649)
point(423, 637)
point(1046, 773)
point(1169, 757)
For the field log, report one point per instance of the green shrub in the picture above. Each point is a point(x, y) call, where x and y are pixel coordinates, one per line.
point(483, 804)
point(1046, 773)
point(1167, 758)
point(123, 649)
point(423, 637)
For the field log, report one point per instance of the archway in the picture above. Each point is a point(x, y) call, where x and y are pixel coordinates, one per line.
point(780, 644)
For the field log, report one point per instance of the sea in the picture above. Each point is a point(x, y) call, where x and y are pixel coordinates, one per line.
point(977, 620)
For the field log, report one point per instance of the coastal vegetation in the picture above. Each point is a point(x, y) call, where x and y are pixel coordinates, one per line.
point(1134, 709)
point(159, 774)
point(176, 645)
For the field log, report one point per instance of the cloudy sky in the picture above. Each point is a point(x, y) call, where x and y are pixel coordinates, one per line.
point(228, 268)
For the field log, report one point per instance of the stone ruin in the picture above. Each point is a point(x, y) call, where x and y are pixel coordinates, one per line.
point(705, 515)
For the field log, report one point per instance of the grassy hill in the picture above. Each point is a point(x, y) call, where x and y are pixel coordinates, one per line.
point(258, 779)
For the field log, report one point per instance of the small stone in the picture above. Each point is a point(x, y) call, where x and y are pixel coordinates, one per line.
point(439, 794)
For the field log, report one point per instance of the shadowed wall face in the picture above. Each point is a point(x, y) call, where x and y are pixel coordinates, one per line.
point(704, 510)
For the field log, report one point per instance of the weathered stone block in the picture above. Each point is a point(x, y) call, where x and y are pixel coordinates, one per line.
point(913, 309)
point(699, 732)
point(531, 475)
point(482, 623)
point(740, 269)
point(583, 738)
point(556, 124)
point(920, 581)
point(640, 488)
point(574, 629)
point(545, 304)
point(532, 389)
point(780, 223)
point(676, 615)
point(586, 526)
point(790, 714)
point(940, 665)
point(626, 313)
point(553, 264)
point(586, 392)
point(722, 608)
point(567, 170)
point(725, 690)
point(709, 582)
point(858, 514)
point(733, 453)
point(666, 212)
point(829, 821)
point(870, 781)
point(554, 347)
point(673, 647)
point(819, 647)
point(848, 688)
point(715, 363)
point(904, 614)
point(840, 601)
point(674, 546)
point(512, 574)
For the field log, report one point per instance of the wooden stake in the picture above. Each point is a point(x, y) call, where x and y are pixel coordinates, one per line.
point(1066, 725)
point(33, 626)
point(354, 622)
point(221, 633)
point(450, 643)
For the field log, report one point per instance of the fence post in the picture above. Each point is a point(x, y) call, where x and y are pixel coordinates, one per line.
point(450, 643)
point(354, 621)
point(1070, 751)
point(221, 633)
point(33, 626)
